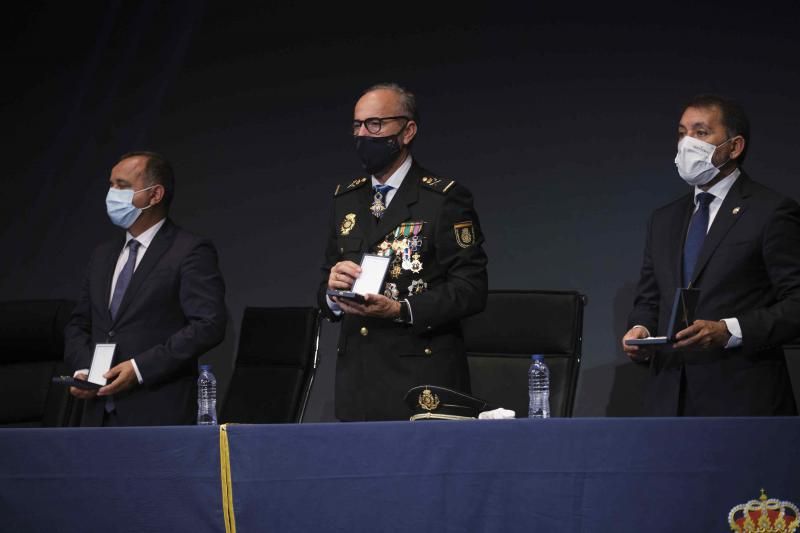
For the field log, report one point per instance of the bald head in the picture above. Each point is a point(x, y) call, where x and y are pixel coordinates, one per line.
point(405, 101)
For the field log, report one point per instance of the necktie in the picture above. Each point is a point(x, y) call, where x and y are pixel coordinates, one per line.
point(698, 227)
point(379, 200)
point(124, 278)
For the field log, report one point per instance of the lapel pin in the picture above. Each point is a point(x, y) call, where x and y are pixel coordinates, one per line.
point(736, 210)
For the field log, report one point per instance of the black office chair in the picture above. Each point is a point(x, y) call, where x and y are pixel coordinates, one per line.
point(515, 325)
point(275, 365)
point(792, 353)
point(31, 353)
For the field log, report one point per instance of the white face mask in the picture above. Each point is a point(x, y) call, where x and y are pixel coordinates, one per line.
point(694, 160)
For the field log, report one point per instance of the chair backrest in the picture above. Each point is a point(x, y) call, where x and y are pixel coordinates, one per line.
point(515, 325)
point(275, 365)
point(31, 353)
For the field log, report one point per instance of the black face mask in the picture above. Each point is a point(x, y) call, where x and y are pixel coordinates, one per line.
point(377, 153)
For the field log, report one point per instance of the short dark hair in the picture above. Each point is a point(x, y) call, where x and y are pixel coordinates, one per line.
point(733, 117)
point(158, 171)
point(407, 98)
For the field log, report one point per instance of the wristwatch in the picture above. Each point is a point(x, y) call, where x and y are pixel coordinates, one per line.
point(405, 312)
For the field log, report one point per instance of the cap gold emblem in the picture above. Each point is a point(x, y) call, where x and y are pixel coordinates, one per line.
point(428, 400)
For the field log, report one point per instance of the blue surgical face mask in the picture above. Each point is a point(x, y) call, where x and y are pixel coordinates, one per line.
point(120, 208)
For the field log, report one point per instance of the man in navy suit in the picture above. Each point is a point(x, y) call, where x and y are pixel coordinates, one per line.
point(738, 242)
point(157, 294)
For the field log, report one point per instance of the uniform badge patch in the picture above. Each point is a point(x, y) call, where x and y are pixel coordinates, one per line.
point(465, 234)
point(348, 224)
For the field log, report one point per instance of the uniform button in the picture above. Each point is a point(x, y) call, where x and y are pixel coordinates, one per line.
point(429, 328)
point(111, 333)
point(428, 351)
point(364, 332)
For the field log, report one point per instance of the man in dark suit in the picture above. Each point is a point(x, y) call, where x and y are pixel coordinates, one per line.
point(426, 224)
point(738, 242)
point(157, 294)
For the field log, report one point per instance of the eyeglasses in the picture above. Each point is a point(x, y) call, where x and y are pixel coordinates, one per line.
point(374, 124)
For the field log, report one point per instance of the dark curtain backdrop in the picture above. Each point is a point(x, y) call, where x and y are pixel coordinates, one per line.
point(561, 121)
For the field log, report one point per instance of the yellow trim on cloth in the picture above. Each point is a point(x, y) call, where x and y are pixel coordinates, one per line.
point(227, 481)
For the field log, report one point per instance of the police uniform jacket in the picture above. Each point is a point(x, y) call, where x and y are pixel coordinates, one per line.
point(432, 234)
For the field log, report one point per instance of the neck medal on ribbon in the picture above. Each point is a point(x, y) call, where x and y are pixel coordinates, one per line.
point(378, 207)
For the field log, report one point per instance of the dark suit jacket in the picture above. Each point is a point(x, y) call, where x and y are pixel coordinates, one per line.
point(748, 268)
point(173, 311)
point(379, 360)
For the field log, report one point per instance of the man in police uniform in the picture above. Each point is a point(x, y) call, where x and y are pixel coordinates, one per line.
point(427, 226)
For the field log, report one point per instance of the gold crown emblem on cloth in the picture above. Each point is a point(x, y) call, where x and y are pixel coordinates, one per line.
point(764, 516)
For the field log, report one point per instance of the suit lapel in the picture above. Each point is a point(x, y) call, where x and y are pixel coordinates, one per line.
point(678, 230)
point(723, 222)
point(107, 268)
point(365, 215)
point(160, 244)
point(398, 210)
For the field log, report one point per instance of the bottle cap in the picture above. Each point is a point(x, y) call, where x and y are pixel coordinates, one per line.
point(205, 367)
point(537, 357)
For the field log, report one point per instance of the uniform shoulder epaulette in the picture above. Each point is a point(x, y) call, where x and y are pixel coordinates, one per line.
point(353, 185)
point(442, 185)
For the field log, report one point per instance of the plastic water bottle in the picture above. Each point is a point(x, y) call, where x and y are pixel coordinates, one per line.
point(538, 388)
point(206, 397)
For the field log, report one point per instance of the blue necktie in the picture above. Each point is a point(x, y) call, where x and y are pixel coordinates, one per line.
point(698, 227)
point(379, 203)
point(124, 278)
